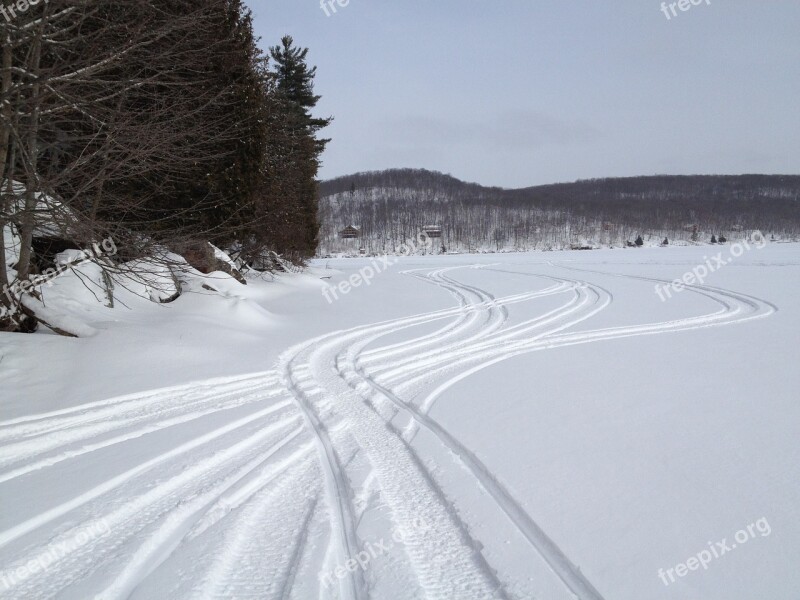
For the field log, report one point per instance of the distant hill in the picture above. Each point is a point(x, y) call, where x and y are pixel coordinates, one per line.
point(391, 207)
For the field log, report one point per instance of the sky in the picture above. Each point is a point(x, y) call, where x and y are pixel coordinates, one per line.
point(515, 93)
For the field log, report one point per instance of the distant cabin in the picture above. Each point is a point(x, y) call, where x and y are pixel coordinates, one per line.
point(432, 231)
point(349, 233)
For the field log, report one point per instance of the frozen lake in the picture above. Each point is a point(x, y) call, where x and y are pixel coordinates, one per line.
point(523, 426)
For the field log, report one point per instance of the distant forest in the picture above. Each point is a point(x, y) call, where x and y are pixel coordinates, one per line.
point(391, 207)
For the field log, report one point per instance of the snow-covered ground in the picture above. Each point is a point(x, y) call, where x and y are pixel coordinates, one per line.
point(463, 427)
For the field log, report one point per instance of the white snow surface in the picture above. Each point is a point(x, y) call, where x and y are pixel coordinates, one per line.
point(498, 426)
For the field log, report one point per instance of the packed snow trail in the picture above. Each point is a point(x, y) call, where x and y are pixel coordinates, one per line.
point(255, 483)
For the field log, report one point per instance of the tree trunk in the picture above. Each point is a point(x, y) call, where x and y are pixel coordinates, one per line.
point(5, 138)
point(30, 157)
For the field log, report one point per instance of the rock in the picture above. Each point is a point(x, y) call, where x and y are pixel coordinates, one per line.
point(207, 258)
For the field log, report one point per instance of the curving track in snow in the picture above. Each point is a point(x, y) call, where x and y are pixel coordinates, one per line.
point(281, 477)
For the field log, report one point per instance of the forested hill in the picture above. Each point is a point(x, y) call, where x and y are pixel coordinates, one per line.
point(389, 207)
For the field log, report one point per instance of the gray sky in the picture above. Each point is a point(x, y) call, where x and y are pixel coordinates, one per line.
point(522, 92)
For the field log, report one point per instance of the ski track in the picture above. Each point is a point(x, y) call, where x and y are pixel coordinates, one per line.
point(337, 486)
point(21, 426)
point(569, 574)
point(107, 486)
point(24, 452)
point(165, 537)
point(445, 561)
point(255, 483)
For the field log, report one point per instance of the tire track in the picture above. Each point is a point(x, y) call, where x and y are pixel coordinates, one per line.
point(114, 483)
point(26, 451)
point(558, 561)
point(445, 560)
point(567, 572)
point(170, 530)
point(337, 486)
point(31, 424)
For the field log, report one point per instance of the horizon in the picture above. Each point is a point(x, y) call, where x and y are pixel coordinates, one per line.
point(529, 94)
point(485, 185)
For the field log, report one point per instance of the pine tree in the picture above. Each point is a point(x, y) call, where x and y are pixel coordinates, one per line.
point(297, 151)
point(639, 241)
point(161, 135)
point(296, 84)
point(713, 239)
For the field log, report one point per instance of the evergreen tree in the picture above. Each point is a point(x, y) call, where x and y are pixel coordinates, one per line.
point(162, 136)
point(639, 241)
point(296, 84)
point(295, 152)
point(713, 239)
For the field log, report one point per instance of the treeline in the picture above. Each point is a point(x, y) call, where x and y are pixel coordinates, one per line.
point(391, 207)
point(160, 125)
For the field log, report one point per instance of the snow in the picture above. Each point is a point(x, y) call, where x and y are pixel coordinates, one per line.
point(220, 255)
point(524, 426)
point(52, 218)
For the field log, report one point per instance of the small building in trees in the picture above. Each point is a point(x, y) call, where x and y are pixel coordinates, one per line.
point(349, 233)
point(432, 231)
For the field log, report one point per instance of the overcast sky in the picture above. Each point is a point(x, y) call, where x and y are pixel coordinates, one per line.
point(523, 92)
